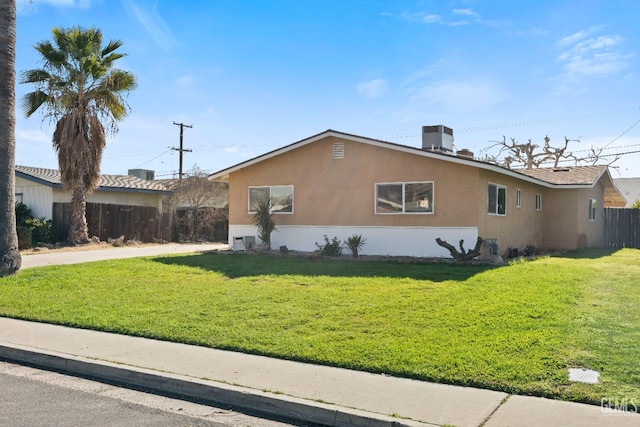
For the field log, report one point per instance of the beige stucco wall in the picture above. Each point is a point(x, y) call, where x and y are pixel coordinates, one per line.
point(567, 225)
point(341, 192)
point(521, 226)
point(562, 224)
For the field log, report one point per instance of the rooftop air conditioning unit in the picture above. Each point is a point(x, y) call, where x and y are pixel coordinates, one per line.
point(142, 174)
point(437, 138)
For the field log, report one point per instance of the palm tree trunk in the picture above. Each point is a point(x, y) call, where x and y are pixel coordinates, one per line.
point(10, 259)
point(78, 230)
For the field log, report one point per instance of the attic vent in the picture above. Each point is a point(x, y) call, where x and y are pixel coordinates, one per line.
point(338, 150)
point(562, 170)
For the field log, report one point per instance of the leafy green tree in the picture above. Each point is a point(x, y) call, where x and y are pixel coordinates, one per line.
point(10, 260)
point(636, 204)
point(80, 88)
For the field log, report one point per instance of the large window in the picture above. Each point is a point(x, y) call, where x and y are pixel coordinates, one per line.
point(497, 199)
point(404, 197)
point(592, 209)
point(280, 195)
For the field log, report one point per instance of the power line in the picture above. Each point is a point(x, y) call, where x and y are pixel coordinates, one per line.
point(149, 161)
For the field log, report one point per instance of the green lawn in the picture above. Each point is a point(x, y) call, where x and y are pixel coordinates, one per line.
point(515, 328)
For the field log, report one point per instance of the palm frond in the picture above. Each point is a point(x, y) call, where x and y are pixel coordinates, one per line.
point(32, 101)
point(34, 76)
point(111, 47)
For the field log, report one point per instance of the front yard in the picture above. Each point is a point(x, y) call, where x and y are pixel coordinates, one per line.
point(516, 328)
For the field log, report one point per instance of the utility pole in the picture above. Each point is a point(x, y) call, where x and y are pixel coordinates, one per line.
point(181, 150)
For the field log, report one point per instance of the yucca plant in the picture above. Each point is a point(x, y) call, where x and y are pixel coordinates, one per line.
point(263, 220)
point(355, 243)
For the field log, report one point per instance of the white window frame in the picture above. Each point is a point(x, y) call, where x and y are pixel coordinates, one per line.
point(270, 187)
point(592, 209)
point(403, 184)
point(538, 201)
point(518, 198)
point(497, 198)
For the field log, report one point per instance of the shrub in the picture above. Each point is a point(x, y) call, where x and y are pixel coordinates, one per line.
point(331, 247)
point(529, 250)
point(513, 253)
point(355, 243)
point(24, 237)
point(40, 229)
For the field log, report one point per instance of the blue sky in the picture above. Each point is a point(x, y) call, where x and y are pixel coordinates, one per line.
point(252, 76)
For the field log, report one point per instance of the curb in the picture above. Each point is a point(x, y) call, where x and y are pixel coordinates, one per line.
point(253, 402)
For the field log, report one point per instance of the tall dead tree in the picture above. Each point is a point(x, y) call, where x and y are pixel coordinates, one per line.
point(512, 154)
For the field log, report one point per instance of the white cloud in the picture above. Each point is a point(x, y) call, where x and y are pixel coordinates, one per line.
point(465, 12)
point(373, 89)
point(33, 135)
point(81, 4)
point(431, 18)
point(587, 56)
point(459, 95)
point(150, 19)
point(185, 81)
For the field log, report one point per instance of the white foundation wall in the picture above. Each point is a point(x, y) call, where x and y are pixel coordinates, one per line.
point(394, 241)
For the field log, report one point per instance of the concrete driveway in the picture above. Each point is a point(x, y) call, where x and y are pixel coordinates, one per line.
point(73, 256)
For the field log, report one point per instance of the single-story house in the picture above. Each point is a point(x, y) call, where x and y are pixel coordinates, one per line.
point(40, 188)
point(630, 190)
point(401, 198)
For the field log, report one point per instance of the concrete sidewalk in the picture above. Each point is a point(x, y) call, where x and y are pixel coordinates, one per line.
point(280, 388)
point(56, 257)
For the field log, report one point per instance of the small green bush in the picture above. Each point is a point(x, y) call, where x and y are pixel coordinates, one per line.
point(513, 253)
point(331, 247)
point(41, 230)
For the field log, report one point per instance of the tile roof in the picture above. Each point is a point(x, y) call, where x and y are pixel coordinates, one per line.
point(574, 175)
point(122, 182)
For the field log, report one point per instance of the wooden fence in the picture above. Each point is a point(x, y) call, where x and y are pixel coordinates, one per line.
point(145, 224)
point(622, 228)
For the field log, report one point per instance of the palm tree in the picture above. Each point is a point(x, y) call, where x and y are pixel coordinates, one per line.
point(81, 89)
point(10, 260)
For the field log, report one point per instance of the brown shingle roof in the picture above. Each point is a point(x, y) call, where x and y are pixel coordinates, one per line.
point(122, 182)
point(574, 175)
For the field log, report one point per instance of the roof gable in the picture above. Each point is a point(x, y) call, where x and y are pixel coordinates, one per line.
point(573, 177)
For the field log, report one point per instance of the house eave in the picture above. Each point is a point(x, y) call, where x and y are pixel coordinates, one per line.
point(223, 175)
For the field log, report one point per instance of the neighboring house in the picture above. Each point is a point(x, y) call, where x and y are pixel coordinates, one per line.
point(630, 190)
point(198, 208)
point(40, 188)
point(401, 198)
